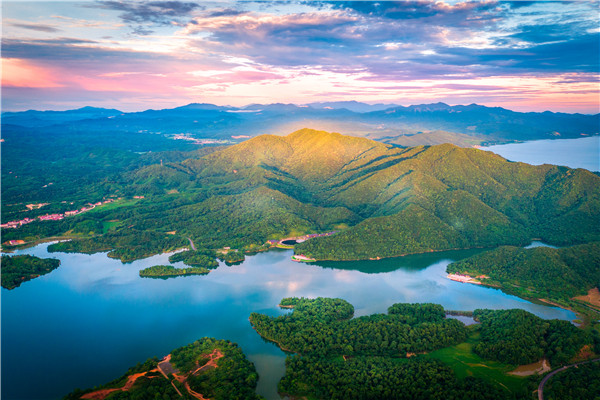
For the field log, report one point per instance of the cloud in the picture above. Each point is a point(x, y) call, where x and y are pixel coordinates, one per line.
point(140, 15)
point(444, 14)
point(35, 27)
point(21, 73)
point(580, 54)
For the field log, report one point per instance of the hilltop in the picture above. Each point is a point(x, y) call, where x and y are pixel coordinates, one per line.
point(385, 200)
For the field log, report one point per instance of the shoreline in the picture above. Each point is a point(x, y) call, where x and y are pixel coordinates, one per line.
point(377, 258)
point(536, 300)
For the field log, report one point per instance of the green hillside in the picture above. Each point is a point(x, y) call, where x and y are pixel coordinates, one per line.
point(385, 200)
point(541, 272)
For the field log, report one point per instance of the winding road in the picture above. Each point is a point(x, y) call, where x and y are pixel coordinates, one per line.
point(551, 374)
point(192, 244)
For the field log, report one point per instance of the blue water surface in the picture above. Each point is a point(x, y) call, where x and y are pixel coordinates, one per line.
point(89, 320)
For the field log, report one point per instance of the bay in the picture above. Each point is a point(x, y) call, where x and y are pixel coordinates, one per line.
point(572, 153)
point(86, 322)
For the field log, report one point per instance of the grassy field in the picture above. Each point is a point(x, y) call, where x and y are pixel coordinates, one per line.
point(466, 363)
point(114, 205)
point(108, 225)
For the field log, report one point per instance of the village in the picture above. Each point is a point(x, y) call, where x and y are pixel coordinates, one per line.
point(55, 216)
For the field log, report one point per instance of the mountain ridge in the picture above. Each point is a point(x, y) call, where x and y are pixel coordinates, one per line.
point(425, 123)
point(384, 200)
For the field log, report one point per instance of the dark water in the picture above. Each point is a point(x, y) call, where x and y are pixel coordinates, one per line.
point(573, 153)
point(89, 320)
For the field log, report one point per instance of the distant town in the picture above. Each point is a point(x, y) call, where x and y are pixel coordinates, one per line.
point(186, 136)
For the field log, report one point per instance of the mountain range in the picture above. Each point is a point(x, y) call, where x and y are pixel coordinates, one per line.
point(464, 125)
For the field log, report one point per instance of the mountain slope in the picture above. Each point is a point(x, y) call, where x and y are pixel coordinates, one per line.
point(385, 200)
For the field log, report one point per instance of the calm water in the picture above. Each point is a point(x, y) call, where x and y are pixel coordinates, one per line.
point(89, 320)
point(574, 153)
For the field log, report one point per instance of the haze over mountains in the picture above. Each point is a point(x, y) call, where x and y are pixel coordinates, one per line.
point(407, 126)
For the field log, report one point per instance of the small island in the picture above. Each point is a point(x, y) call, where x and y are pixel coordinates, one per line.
point(18, 269)
point(169, 271)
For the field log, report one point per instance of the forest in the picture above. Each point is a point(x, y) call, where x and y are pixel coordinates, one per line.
point(387, 355)
point(380, 378)
point(14, 270)
point(541, 272)
point(518, 337)
point(580, 383)
point(323, 327)
point(165, 271)
point(196, 258)
point(235, 377)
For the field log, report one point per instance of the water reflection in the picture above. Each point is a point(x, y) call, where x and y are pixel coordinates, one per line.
point(86, 322)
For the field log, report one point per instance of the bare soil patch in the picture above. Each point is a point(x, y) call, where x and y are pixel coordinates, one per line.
point(593, 297)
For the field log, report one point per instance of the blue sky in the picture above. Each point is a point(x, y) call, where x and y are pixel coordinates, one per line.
point(527, 56)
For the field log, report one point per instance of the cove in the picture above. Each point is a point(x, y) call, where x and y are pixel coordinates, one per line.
point(89, 320)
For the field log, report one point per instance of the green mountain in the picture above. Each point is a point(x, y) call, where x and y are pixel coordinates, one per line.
point(385, 200)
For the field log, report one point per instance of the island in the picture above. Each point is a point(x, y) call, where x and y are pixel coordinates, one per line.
point(15, 270)
point(415, 350)
point(169, 271)
point(206, 369)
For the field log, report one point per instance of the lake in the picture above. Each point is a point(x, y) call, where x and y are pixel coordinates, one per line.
point(573, 153)
point(89, 320)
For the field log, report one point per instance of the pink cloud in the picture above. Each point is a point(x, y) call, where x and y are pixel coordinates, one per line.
point(22, 73)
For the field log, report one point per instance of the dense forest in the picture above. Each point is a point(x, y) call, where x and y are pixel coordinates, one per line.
point(518, 337)
point(380, 378)
point(388, 355)
point(217, 369)
point(322, 327)
point(578, 383)
point(541, 272)
point(14, 270)
point(385, 200)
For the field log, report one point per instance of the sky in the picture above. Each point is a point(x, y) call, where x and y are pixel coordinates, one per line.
point(524, 56)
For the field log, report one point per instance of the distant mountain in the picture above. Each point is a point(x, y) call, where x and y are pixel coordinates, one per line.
point(34, 118)
point(385, 200)
point(378, 122)
point(354, 106)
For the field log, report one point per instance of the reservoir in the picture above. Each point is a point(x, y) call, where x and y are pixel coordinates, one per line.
point(86, 322)
point(572, 153)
